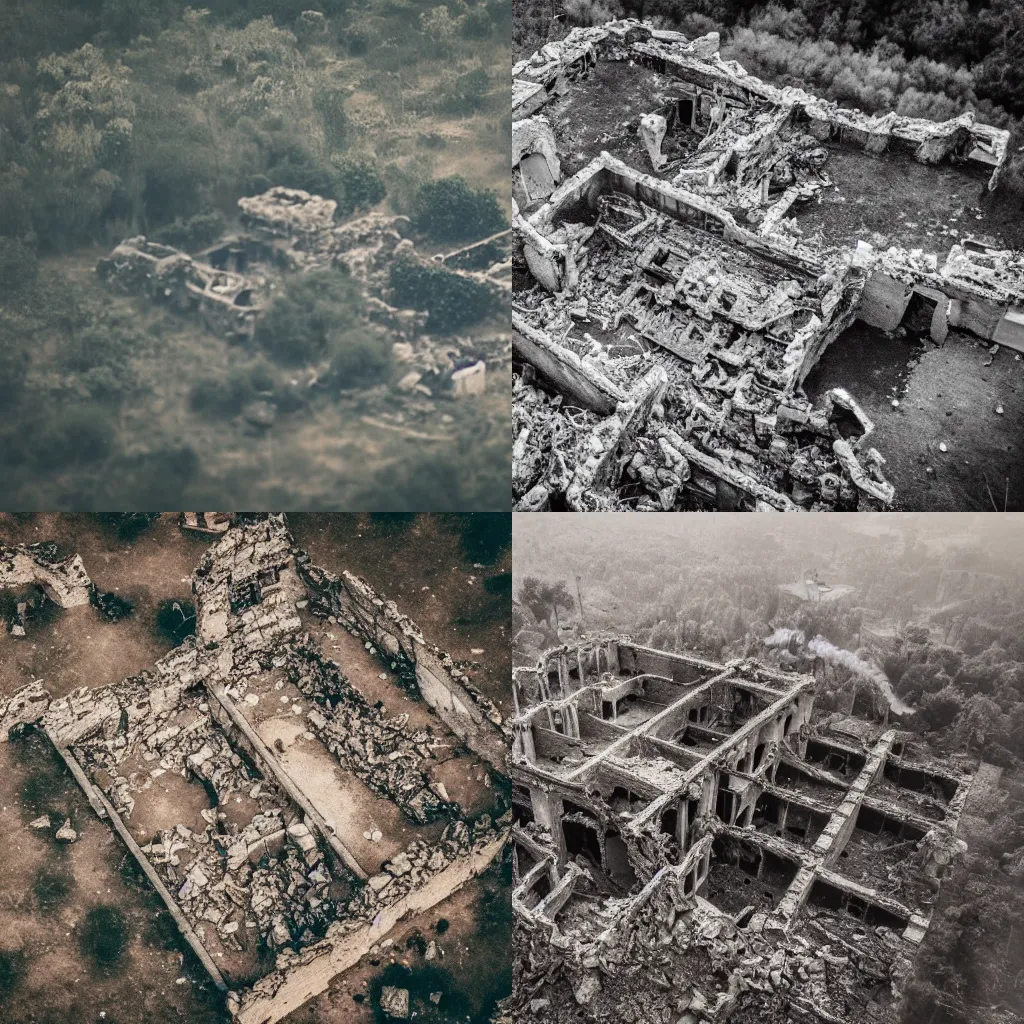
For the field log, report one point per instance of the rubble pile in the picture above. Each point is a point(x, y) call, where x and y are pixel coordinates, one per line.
point(228, 303)
point(230, 284)
point(268, 874)
point(421, 861)
point(63, 580)
point(288, 212)
point(668, 871)
point(694, 267)
point(351, 601)
point(390, 759)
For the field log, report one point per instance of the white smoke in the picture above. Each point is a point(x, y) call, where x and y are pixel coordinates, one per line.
point(821, 648)
point(782, 636)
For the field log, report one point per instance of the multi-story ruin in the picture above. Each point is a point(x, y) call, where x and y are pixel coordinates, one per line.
point(668, 306)
point(229, 769)
point(695, 843)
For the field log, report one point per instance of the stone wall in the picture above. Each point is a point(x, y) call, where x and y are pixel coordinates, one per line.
point(309, 973)
point(467, 712)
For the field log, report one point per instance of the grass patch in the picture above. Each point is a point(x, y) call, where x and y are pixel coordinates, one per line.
point(53, 887)
point(12, 969)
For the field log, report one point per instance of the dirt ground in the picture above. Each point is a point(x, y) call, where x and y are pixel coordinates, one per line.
point(601, 113)
point(79, 648)
point(908, 204)
point(947, 396)
point(49, 974)
point(47, 891)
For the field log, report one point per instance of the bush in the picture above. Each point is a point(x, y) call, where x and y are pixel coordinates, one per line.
point(308, 319)
point(465, 94)
point(449, 209)
point(329, 103)
point(359, 184)
point(19, 265)
point(194, 232)
point(451, 300)
point(224, 398)
point(68, 437)
point(359, 358)
point(477, 24)
point(176, 620)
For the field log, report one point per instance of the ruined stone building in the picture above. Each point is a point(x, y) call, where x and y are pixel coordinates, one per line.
point(694, 842)
point(667, 307)
point(229, 284)
point(268, 884)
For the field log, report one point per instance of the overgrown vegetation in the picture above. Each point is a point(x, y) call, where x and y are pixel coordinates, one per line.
point(119, 119)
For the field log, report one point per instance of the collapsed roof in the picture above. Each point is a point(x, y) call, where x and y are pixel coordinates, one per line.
point(666, 319)
point(693, 843)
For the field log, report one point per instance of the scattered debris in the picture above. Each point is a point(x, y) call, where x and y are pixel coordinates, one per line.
point(664, 323)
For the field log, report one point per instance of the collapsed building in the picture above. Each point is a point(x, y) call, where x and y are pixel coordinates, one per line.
point(219, 768)
point(285, 230)
point(667, 308)
point(694, 842)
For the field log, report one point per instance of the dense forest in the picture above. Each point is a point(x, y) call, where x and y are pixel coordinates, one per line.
point(938, 606)
point(120, 118)
point(922, 58)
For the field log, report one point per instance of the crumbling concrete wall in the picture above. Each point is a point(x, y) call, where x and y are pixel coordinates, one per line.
point(466, 711)
point(301, 977)
point(64, 580)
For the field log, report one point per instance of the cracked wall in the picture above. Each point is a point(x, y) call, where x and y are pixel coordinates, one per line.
point(693, 843)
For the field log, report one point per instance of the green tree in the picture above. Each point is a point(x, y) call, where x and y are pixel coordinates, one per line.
point(452, 300)
point(449, 209)
point(359, 183)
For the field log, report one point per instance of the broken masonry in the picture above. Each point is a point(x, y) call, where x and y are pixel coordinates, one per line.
point(666, 307)
point(262, 880)
point(229, 284)
point(695, 843)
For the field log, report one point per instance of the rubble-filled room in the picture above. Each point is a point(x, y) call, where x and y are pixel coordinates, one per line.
point(303, 809)
point(707, 318)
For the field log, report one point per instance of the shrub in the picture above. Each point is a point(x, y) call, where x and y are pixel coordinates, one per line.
point(222, 398)
point(449, 209)
point(307, 319)
point(329, 103)
point(477, 24)
point(194, 232)
point(359, 357)
point(451, 300)
point(465, 94)
point(74, 436)
point(104, 936)
point(19, 265)
point(359, 184)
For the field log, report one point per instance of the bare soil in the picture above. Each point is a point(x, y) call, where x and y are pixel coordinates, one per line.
point(908, 204)
point(947, 396)
point(156, 979)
